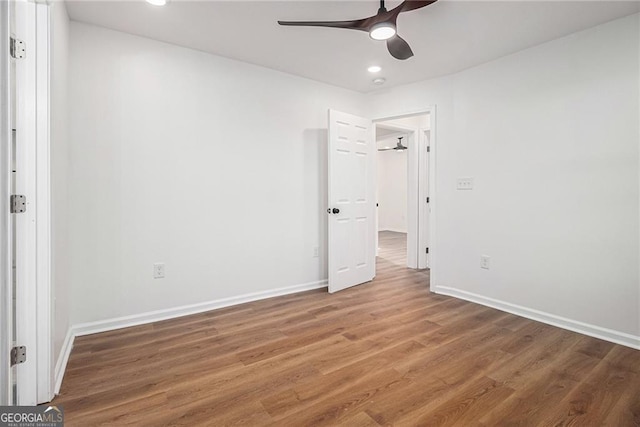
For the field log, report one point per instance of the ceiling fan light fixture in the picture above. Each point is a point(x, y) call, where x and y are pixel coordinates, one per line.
point(382, 31)
point(379, 81)
point(381, 26)
point(157, 2)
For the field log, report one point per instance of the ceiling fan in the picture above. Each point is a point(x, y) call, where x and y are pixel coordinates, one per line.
point(398, 147)
point(381, 26)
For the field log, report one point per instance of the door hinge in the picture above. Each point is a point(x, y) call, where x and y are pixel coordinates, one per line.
point(18, 203)
point(427, 200)
point(428, 148)
point(18, 48)
point(18, 355)
point(427, 251)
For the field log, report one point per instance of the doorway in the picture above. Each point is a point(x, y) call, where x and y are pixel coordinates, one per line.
point(403, 213)
point(392, 182)
point(353, 218)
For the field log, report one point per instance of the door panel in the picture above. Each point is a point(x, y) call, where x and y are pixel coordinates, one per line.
point(351, 207)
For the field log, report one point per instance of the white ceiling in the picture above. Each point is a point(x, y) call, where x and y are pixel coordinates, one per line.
point(446, 37)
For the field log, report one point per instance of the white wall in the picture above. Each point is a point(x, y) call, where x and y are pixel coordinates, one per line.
point(59, 152)
point(392, 187)
point(215, 167)
point(551, 137)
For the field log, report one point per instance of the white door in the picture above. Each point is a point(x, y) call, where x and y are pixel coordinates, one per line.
point(351, 207)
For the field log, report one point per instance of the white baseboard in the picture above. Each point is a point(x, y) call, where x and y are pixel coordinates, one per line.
point(63, 358)
point(617, 337)
point(169, 313)
point(185, 310)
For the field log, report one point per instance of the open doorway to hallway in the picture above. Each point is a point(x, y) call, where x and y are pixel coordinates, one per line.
point(403, 209)
point(392, 194)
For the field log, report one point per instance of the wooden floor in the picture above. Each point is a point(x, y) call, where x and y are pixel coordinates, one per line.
point(392, 247)
point(384, 353)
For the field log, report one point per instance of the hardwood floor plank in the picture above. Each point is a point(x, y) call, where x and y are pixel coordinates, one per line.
point(626, 411)
point(592, 401)
point(594, 347)
point(130, 412)
point(332, 411)
point(434, 381)
point(527, 405)
point(360, 419)
point(470, 402)
point(624, 358)
point(308, 393)
point(554, 348)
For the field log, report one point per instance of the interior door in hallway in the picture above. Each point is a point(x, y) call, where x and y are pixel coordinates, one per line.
point(351, 207)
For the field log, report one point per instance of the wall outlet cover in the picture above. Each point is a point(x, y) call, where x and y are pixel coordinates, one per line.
point(158, 270)
point(485, 262)
point(464, 183)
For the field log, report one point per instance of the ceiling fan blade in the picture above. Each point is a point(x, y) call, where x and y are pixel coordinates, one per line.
point(358, 24)
point(399, 48)
point(364, 24)
point(385, 149)
point(408, 5)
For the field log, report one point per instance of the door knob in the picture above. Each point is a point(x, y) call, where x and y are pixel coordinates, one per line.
point(336, 210)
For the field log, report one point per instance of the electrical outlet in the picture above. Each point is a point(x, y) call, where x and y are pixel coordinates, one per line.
point(464, 183)
point(158, 270)
point(485, 262)
point(316, 252)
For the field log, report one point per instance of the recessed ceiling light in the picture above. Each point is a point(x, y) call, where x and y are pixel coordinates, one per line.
point(381, 31)
point(374, 69)
point(157, 2)
point(379, 81)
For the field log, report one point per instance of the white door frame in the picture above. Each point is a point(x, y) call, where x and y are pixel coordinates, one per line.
point(426, 167)
point(33, 227)
point(44, 293)
point(5, 192)
point(424, 215)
